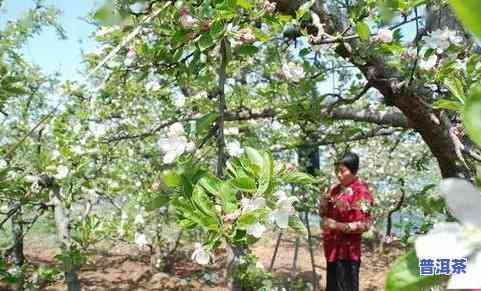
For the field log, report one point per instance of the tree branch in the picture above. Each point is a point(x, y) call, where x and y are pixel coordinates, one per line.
point(376, 132)
point(392, 118)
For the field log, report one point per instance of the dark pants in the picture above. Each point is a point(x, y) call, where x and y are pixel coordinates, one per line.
point(343, 276)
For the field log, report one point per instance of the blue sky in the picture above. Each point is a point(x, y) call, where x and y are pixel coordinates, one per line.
point(46, 50)
point(64, 56)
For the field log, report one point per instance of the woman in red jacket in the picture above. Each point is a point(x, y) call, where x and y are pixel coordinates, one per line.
point(346, 215)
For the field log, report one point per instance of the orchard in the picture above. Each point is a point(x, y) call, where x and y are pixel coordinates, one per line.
point(202, 135)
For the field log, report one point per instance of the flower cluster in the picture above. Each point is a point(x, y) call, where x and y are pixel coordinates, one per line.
point(384, 35)
point(292, 72)
point(186, 20)
point(175, 144)
point(457, 240)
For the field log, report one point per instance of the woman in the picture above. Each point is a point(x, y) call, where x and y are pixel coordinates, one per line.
point(346, 215)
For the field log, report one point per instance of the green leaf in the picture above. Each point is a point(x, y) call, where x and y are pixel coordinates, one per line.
point(205, 41)
point(160, 200)
point(255, 157)
point(246, 219)
point(202, 201)
point(106, 15)
point(304, 9)
point(211, 184)
point(455, 86)
point(248, 49)
point(448, 104)
point(261, 36)
point(304, 52)
point(472, 116)
point(244, 183)
point(298, 178)
point(244, 4)
point(204, 123)
point(469, 11)
point(266, 173)
point(363, 30)
point(171, 178)
point(228, 198)
point(404, 275)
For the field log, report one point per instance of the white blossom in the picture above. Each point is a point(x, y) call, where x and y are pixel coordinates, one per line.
point(316, 21)
point(179, 100)
point(234, 148)
point(284, 209)
point(460, 65)
point(153, 85)
point(176, 129)
point(440, 40)
point(175, 144)
point(411, 52)
point(259, 265)
point(141, 240)
point(77, 150)
point(457, 240)
point(252, 204)
point(4, 208)
point(188, 22)
point(31, 178)
point(62, 172)
point(269, 7)
point(130, 57)
point(428, 64)
point(55, 154)
point(200, 255)
point(98, 129)
point(231, 131)
point(384, 35)
point(139, 219)
point(292, 72)
point(3, 164)
point(137, 7)
point(256, 229)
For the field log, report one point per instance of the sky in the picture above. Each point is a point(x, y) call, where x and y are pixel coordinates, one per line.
point(47, 50)
point(64, 56)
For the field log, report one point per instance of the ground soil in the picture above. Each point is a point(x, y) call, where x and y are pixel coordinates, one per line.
point(126, 268)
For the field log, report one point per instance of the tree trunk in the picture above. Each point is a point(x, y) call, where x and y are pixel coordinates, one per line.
point(232, 278)
point(18, 256)
point(62, 221)
point(411, 98)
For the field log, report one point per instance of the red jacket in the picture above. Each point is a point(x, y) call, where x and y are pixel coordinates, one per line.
point(337, 244)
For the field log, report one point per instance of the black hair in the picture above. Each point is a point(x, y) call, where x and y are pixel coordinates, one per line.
point(350, 160)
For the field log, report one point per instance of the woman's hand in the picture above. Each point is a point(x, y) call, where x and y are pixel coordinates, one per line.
point(331, 224)
point(323, 206)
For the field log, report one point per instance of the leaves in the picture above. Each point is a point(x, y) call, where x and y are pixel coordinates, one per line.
point(363, 30)
point(246, 4)
point(204, 123)
point(211, 184)
point(469, 12)
point(404, 275)
point(255, 158)
point(298, 178)
point(472, 116)
point(455, 86)
point(244, 183)
point(448, 104)
point(171, 178)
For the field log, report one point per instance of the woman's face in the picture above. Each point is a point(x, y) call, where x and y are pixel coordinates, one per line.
point(344, 175)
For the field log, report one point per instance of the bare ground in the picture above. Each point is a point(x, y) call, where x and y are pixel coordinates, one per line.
point(126, 268)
